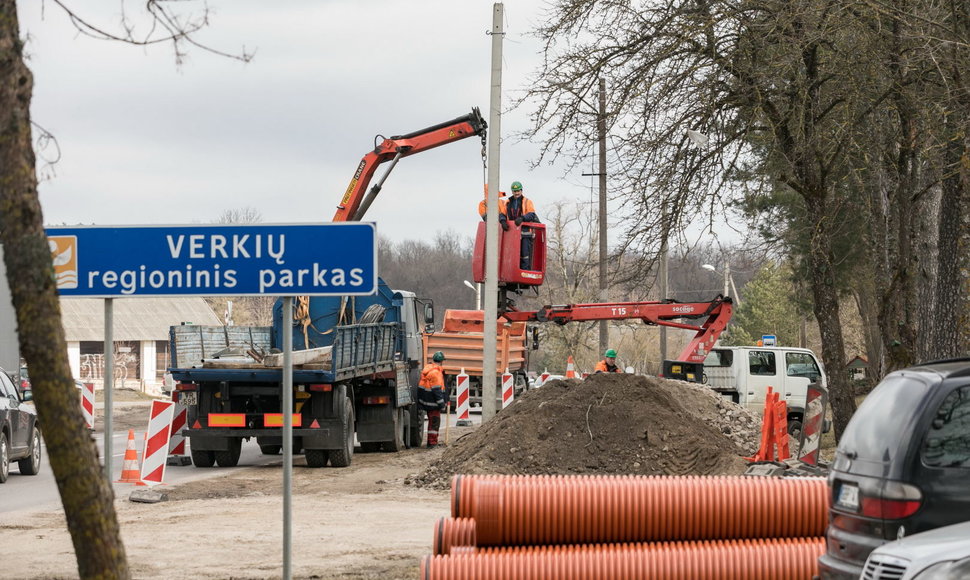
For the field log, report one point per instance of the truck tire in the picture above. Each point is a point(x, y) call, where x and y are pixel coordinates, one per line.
point(317, 457)
point(203, 458)
point(344, 455)
point(417, 426)
point(230, 458)
point(270, 449)
point(397, 444)
point(30, 465)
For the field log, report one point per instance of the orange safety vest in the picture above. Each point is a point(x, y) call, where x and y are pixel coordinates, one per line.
point(432, 375)
point(602, 368)
point(483, 207)
point(526, 208)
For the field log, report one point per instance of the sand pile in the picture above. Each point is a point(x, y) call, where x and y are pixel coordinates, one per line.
point(606, 424)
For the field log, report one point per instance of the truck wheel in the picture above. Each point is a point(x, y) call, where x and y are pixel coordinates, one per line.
point(417, 426)
point(30, 465)
point(400, 417)
point(202, 458)
point(230, 458)
point(343, 456)
point(317, 457)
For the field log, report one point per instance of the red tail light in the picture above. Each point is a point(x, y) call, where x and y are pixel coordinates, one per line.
point(382, 400)
point(320, 388)
point(186, 387)
point(897, 501)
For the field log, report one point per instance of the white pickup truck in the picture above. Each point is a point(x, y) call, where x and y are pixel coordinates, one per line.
point(744, 373)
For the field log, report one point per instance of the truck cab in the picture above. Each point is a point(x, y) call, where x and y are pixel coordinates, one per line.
point(744, 373)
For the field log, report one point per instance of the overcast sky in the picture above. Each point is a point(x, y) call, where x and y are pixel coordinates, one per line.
point(145, 142)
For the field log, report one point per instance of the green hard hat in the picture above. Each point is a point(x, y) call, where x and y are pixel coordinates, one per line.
point(610, 353)
point(438, 356)
point(516, 186)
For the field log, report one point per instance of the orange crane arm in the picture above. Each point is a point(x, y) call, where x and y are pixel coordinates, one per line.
point(716, 313)
point(354, 203)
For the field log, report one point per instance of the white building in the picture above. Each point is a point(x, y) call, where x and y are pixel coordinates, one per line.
point(141, 334)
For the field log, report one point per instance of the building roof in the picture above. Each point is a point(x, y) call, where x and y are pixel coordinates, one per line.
point(858, 362)
point(134, 319)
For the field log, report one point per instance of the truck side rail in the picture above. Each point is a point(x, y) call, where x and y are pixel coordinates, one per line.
point(361, 349)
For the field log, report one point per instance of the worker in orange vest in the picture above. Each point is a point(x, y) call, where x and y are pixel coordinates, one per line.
point(431, 395)
point(483, 209)
point(521, 209)
point(608, 364)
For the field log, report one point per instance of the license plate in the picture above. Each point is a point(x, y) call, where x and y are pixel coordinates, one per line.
point(189, 398)
point(848, 496)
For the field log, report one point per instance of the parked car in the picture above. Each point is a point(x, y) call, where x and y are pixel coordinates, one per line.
point(902, 465)
point(19, 430)
point(943, 553)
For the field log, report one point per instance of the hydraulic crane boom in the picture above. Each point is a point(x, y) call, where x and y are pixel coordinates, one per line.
point(354, 204)
point(716, 313)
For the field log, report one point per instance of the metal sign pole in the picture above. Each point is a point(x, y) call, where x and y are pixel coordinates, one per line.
point(109, 365)
point(287, 437)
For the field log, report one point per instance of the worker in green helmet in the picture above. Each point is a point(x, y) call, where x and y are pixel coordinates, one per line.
point(520, 209)
point(431, 395)
point(608, 364)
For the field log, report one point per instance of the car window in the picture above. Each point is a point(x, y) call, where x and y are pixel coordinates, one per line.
point(719, 358)
point(874, 433)
point(761, 362)
point(7, 387)
point(801, 364)
point(947, 443)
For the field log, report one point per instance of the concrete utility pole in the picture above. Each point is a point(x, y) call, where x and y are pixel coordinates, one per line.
point(489, 387)
point(601, 130)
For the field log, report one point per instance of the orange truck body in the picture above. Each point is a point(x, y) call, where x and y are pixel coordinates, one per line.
point(461, 339)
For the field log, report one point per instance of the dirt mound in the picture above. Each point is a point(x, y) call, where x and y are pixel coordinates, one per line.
point(606, 424)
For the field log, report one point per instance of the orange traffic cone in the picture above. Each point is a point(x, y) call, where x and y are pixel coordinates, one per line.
point(129, 470)
point(570, 368)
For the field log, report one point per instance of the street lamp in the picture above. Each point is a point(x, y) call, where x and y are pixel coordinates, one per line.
point(478, 293)
point(728, 280)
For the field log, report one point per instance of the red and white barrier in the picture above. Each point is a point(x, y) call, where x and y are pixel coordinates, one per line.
point(585, 375)
point(462, 408)
point(812, 426)
point(543, 377)
point(87, 404)
point(176, 445)
point(156, 444)
point(570, 368)
point(508, 388)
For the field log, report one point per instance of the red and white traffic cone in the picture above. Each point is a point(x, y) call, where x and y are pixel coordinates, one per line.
point(570, 368)
point(129, 469)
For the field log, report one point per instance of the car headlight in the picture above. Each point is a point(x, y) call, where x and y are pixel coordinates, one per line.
point(952, 570)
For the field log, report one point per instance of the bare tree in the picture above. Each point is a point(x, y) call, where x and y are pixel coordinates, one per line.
point(86, 493)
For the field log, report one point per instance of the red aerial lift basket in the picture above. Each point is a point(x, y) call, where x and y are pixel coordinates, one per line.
point(509, 260)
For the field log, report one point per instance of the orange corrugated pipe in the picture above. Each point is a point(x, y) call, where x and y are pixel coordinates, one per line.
point(451, 533)
point(758, 559)
point(555, 509)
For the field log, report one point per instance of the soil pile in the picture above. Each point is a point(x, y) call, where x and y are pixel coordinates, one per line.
point(606, 424)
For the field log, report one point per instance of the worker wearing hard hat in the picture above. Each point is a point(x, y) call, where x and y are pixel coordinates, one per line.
point(483, 209)
point(431, 395)
point(608, 364)
point(520, 209)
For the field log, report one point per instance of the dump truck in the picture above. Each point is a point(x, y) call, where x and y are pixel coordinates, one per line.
point(462, 341)
point(355, 368)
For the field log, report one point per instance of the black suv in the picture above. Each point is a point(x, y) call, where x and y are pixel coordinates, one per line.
point(902, 466)
point(19, 431)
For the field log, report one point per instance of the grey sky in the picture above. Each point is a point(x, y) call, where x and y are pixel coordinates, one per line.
point(144, 142)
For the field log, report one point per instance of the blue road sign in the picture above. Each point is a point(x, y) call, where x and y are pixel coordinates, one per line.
point(335, 259)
